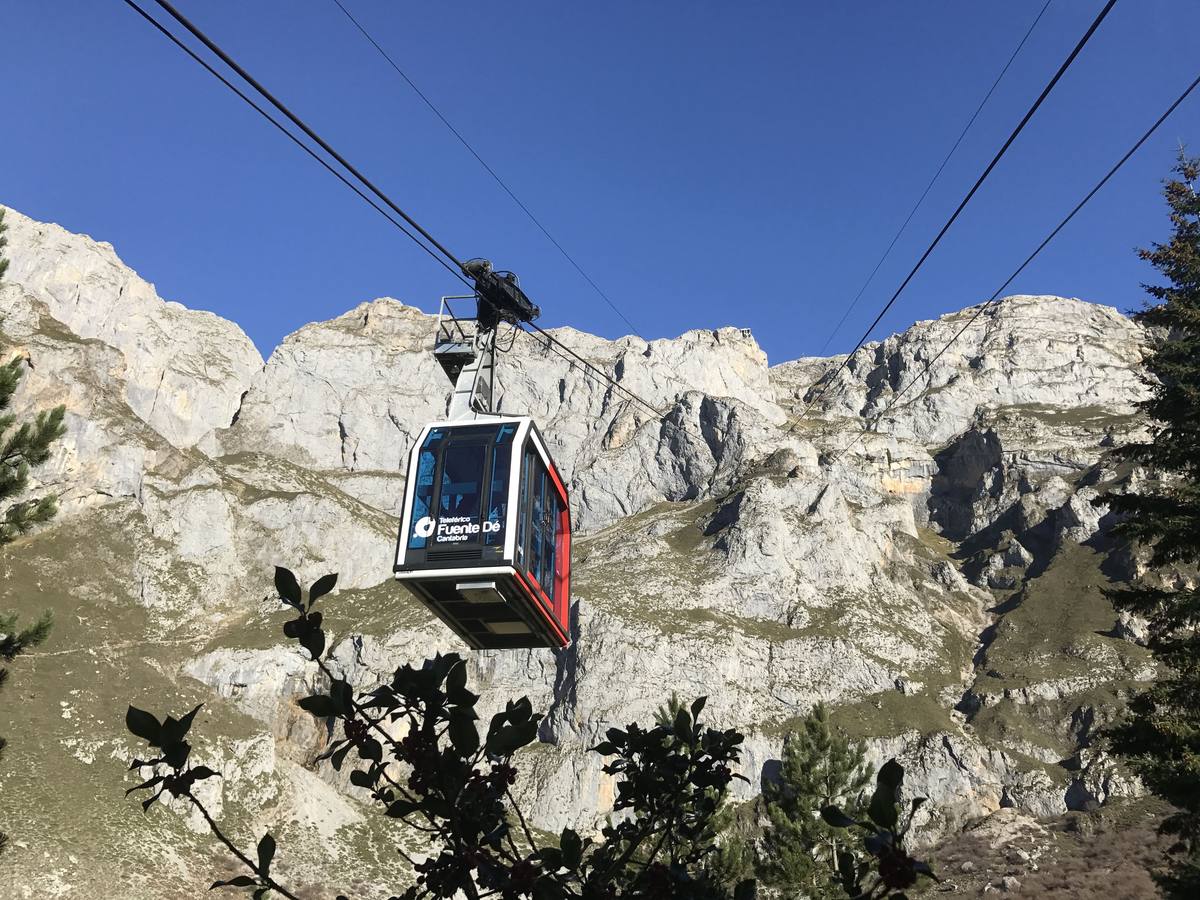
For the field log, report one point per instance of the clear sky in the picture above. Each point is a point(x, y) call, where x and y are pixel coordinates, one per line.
point(708, 163)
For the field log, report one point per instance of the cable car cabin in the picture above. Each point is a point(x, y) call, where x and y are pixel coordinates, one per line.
point(485, 539)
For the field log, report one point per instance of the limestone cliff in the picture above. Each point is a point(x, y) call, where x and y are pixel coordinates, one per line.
point(939, 583)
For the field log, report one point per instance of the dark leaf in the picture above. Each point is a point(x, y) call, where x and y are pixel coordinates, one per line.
point(321, 587)
point(287, 587)
point(342, 696)
point(877, 842)
point(144, 725)
point(847, 871)
point(175, 755)
point(683, 725)
point(605, 748)
point(401, 808)
point(891, 774)
point(456, 681)
point(332, 749)
point(463, 733)
point(511, 738)
point(146, 784)
point(199, 773)
point(239, 881)
point(836, 817)
point(362, 778)
point(313, 641)
point(320, 705)
point(173, 730)
point(519, 712)
point(266, 853)
point(883, 811)
point(572, 849)
point(698, 707)
point(369, 748)
point(339, 756)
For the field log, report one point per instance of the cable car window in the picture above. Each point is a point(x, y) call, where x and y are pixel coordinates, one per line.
point(523, 509)
point(537, 489)
point(560, 554)
point(550, 510)
point(497, 508)
point(423, 492)
point(459, 500)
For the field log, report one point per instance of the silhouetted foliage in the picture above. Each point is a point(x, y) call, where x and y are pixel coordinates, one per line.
point(1161, 736)
point(727, 860)
point(418, 748)
point(885, 869)
point(27, 446)
point(800, 850)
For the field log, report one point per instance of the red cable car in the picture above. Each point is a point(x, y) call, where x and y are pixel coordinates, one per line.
point(485, 534)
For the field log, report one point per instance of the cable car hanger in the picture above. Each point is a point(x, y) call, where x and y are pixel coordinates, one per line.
point(485, 530)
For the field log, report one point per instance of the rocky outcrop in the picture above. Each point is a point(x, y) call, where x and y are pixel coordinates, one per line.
point(937, 580)
point(183, 371)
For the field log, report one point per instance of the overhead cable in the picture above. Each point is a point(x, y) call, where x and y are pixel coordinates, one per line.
point(299, 123)
point(299, 143)
point(991, 300)
point(492, 172)
point(932, 181)
point(1066, 64)
point(551, 340)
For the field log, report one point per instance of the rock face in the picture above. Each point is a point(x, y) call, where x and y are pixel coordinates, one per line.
point(184, 371)
point(937, 580)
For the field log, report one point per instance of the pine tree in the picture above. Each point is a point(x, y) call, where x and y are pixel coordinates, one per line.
point(1161, 734)
point(821, 767)
point(26, 446)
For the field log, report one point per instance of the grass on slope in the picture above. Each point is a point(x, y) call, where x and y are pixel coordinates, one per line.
point(63, 775)
point(1053, 659)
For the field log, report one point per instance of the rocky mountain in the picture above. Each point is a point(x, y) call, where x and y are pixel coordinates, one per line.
point(937, 580)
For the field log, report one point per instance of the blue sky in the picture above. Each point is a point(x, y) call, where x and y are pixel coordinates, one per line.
point(707, 163)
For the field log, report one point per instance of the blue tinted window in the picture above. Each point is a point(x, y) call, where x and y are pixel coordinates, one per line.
point(549, 533)
point(541, 564)
point(537, 545)
point(497, 508)
point(423, 492)
point(523, 511)
point(462, 472)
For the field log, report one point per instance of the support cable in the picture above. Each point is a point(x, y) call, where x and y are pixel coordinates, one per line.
point(492, 172)
point(932, 181)
point(299, 123)
point(589, 370)
point(1066, 64)
point(299, 143)
point(984, 306)
point(550, 339)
